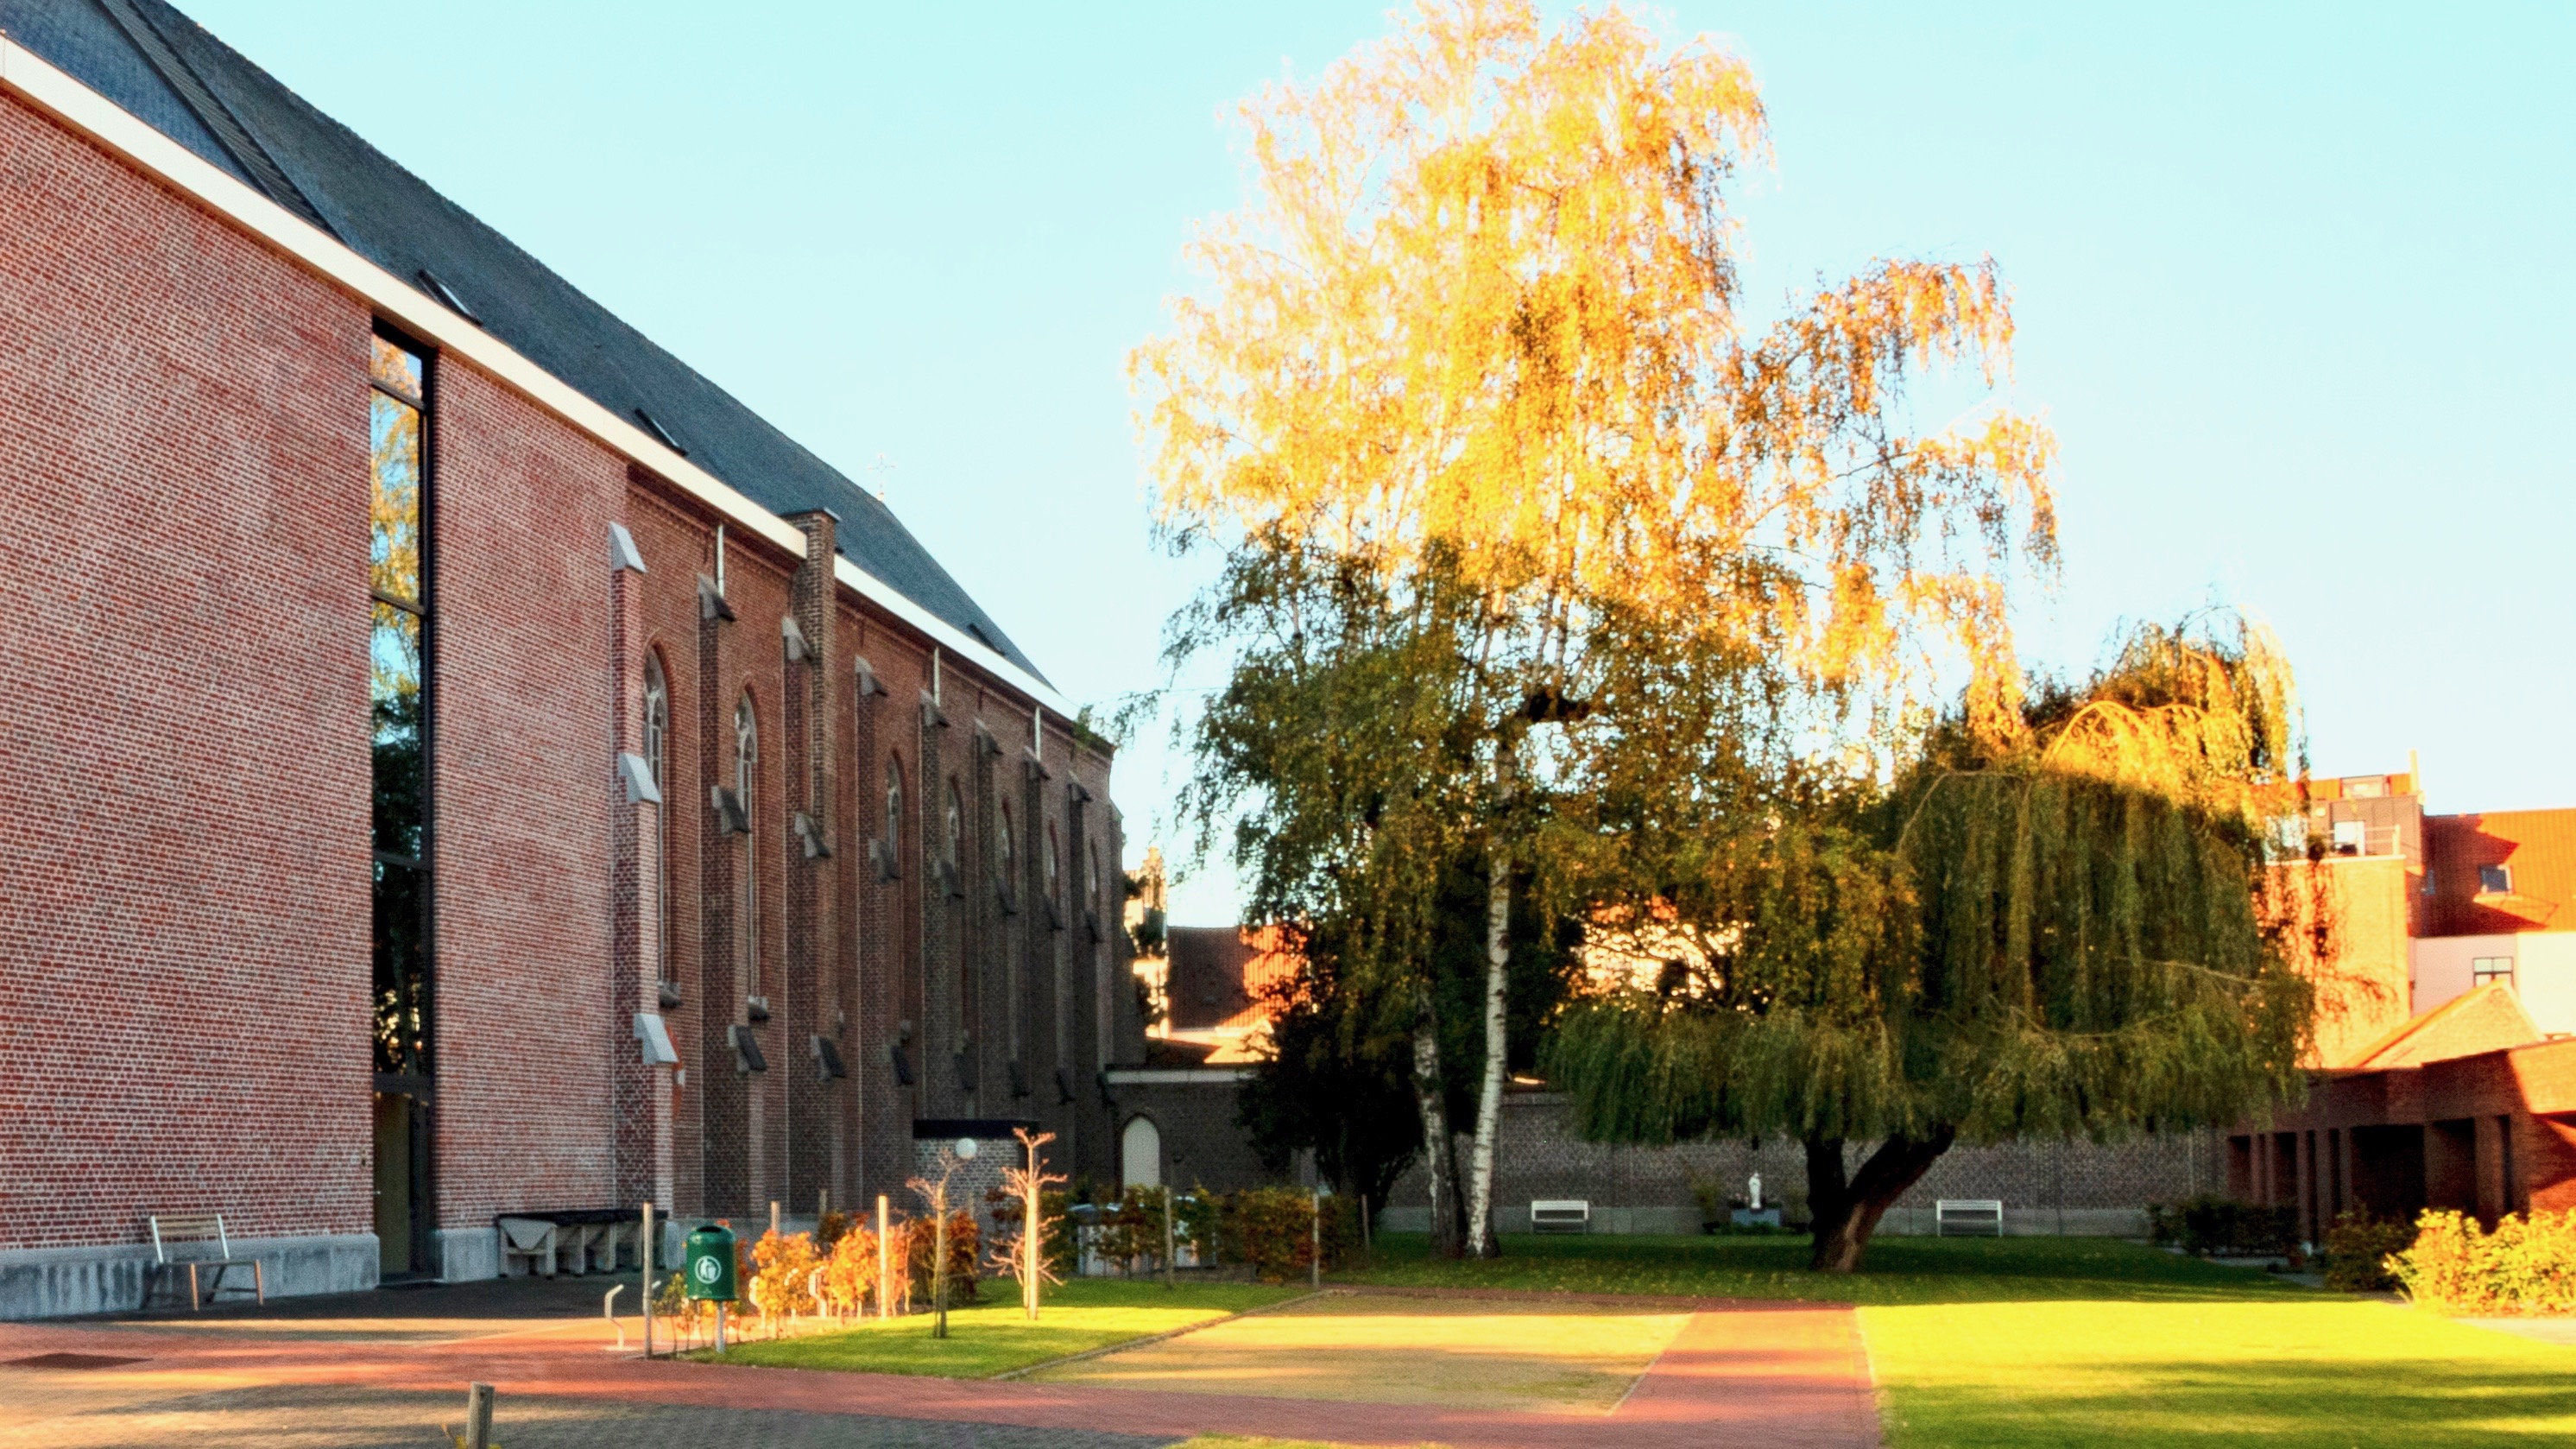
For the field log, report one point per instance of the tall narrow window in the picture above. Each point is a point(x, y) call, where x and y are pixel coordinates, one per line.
point(398, 660)
point(746, 783)
point(952, 849)
point(657, 753)
point(1092, 902)
point(397, 655)
point(1006, 858)
point(1054, 888)
point(894, 811)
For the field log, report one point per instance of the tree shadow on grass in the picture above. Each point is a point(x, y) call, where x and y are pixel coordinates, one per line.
point(2286, 1403)
point(1897, 1271)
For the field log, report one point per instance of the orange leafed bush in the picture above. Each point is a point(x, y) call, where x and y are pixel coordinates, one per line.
point(850, 1273)
point(2526, 1267)
point(783, 1263)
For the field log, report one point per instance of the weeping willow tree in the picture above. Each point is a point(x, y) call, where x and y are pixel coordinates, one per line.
point(2066, 924)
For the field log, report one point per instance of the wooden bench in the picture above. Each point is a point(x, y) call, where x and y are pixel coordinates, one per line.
point(1561, 1215)
point(1983, 1214)
point(182, 1240)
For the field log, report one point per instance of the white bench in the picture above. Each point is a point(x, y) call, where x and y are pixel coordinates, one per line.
point(1983, 1215)
point(197, 1241)
point(1562, 1215)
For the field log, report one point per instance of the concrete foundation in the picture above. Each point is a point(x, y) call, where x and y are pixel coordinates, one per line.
point(67, 1282)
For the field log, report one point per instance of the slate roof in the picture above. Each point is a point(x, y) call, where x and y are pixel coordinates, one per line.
point(169, 72)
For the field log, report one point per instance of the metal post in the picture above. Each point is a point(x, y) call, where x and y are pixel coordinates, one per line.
point(646, 1253)
point(1368, 1247)
point(773, 1215)
point(478, 1416)
point(885, 1262)
point(939, 1258)
point(720, 1325)
point(1171, 1275)
point(1315, 1239)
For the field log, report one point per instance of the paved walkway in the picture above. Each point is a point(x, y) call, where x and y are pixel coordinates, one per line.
point(1780, 1376)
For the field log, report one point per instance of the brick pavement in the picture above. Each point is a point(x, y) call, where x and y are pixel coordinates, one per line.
point(1782, 1376)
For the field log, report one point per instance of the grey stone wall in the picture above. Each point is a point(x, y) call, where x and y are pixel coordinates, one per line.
point(2075, 1188)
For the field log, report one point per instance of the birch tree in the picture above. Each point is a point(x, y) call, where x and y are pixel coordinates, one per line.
point(1478, 326)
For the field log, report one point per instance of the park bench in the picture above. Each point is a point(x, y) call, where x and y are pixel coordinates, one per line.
point(197, 1242)
point(1969, 1214)
point(1562, 1215)
point(579, 1242)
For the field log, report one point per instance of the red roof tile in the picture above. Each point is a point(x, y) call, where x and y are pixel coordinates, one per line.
point(2538, 849)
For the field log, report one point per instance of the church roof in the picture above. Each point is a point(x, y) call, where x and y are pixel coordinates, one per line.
point(170, 73)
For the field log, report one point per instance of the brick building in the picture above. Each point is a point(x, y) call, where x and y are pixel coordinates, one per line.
point(2447, 1054)
point(469, 763)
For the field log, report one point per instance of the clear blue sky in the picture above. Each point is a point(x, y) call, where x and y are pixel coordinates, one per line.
point(2295, 286)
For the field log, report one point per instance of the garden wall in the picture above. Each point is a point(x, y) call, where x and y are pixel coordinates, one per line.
point(2047, 1188)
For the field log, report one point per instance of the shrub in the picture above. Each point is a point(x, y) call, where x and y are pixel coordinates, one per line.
point(850, 1273)
point(2524, 1267)
point(964, 1248)
point(2205, 1225)
point(784, 1265)
point(1273, 1229)
point(2358, 1248)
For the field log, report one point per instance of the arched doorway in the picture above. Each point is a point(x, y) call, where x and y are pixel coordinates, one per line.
point(1140, 1154)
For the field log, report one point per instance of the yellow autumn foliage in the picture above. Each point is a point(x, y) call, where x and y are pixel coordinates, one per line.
point(1483, 301)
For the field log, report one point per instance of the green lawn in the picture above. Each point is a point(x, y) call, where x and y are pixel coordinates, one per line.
point(2051, 1341)
point(995, 1337)
point(1900, 1270)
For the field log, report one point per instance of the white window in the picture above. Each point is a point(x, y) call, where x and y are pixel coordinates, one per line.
point(746, 783)
point(1140, 1154)
point(657, 750)
point(2350, 837)
point(2491, 968)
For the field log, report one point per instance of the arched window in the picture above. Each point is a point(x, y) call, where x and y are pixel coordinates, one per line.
point(657, 753)
point(1054, 888)
point(1006, 856)
point(1140, 1154)
point(894, 811)
point(952, 845)
point(1091, 898)
point(746, 783)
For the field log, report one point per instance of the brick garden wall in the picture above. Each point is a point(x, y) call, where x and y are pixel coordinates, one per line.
point(2045, 1186)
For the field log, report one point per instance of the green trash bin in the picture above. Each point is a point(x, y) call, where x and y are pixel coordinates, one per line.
point(707, 1264)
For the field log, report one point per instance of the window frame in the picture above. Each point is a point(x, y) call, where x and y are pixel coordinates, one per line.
point(657, 756)
point(748, 957)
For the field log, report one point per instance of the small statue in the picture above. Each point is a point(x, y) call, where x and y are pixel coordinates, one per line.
point(1753, 1187)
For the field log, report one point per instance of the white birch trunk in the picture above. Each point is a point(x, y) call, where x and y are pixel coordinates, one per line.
point(1430, 1097)
point(1489, 1097)
point(1498, 959)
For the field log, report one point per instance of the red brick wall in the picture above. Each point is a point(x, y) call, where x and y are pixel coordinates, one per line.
point(184, 940)
point(184, 901)
point(522, 772)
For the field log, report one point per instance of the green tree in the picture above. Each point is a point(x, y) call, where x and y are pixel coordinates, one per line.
point(1338, 1079)
point(1477, 331)
point(2073, 927)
